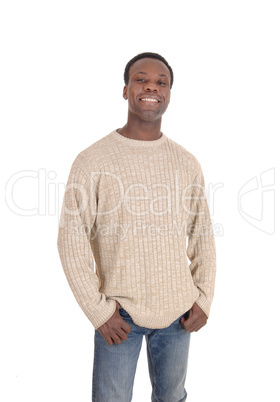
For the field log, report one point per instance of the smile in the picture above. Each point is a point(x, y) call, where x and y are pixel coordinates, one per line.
point(149, 100)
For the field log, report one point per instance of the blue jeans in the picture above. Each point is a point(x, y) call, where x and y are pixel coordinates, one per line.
point(115, 365)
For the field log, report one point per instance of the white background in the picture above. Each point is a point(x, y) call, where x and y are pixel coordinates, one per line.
point(61, 77)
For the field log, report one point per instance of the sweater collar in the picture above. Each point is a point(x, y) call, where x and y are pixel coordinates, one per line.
point(139, 143)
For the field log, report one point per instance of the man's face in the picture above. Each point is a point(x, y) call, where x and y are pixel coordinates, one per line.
point(148, 89)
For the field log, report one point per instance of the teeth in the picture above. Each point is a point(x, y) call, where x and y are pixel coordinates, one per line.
point(149, 100)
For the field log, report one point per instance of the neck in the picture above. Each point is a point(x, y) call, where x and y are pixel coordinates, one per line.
point(141, 130)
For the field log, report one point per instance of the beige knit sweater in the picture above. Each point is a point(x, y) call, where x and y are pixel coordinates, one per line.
point(132, 212)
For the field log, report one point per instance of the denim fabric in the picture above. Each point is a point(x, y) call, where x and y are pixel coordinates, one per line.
point(115, 365)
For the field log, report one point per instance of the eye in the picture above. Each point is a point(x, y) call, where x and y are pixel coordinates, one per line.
point(140, 79)
point(162, 83)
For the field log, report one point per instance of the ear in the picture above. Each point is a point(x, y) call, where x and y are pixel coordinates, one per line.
point(125, 92)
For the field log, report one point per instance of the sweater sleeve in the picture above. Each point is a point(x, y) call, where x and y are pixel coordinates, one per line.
point(201, 249)
point(78, 214)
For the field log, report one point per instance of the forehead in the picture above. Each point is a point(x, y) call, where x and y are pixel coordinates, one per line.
point(150, 66)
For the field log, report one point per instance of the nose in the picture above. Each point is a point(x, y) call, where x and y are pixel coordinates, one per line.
point(150, 87)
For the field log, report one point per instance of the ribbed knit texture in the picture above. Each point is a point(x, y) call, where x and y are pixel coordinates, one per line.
point(133, 213)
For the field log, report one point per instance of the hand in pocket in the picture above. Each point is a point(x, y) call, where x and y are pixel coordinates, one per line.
point(115, 329)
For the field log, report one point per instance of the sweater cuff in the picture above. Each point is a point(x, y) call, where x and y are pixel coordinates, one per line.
point(204, 304)
point(104, 312)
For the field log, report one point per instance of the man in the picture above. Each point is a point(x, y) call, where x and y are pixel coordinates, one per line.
point(132, 199)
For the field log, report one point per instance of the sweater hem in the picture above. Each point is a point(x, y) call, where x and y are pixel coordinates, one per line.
point(152, 322)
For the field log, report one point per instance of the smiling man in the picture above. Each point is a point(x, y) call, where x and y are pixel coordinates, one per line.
point(133, 210)
point(146, 105)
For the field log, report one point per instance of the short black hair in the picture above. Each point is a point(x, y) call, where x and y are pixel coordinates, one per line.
point(142, 56)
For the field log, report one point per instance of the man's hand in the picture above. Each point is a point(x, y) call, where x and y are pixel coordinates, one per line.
point(115, 329)
point(196, 320)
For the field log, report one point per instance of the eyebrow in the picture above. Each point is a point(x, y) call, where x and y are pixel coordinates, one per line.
point(142, 72)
